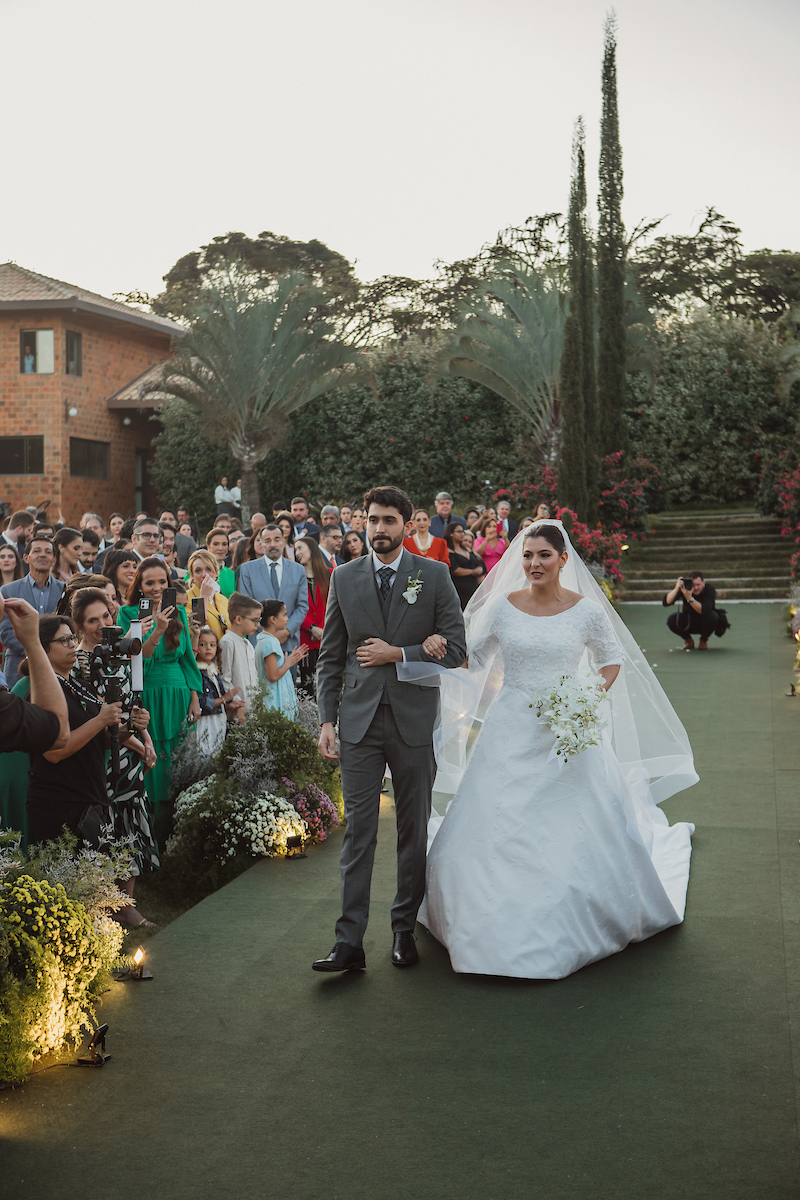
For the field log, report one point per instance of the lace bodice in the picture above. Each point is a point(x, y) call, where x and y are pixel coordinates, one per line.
point(537, 650)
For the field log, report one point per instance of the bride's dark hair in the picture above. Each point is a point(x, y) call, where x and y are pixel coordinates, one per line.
point(550, 533)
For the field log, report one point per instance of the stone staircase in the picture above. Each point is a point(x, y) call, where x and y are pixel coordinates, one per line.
point(742, 555)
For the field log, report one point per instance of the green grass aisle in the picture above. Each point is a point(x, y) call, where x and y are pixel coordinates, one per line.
point(662, 1073)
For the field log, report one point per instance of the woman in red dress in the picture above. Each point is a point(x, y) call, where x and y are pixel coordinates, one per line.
point(423, 543)
point(318, 574)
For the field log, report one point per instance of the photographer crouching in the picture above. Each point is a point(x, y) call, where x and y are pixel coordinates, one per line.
point(699, 615)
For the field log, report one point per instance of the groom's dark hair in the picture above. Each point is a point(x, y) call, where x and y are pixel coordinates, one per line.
point(390, 497)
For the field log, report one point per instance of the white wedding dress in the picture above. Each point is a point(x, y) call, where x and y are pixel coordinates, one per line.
point(539, 868)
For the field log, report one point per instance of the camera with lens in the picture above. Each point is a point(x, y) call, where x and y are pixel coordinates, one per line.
point(687, 582)
point(114, 649)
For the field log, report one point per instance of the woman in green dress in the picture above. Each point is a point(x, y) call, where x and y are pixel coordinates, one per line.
point(171, 678)
point(14, 767)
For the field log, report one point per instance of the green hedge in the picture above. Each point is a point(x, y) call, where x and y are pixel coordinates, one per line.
point(450, 435)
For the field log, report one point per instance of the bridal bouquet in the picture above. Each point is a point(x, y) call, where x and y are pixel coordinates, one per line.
point(572, 709)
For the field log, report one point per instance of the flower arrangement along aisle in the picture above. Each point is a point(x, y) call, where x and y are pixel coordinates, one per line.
point(58, 944)
point(270, 784)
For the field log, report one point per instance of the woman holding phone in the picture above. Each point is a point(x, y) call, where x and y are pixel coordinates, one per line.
point(172, 680)
point(203, 575)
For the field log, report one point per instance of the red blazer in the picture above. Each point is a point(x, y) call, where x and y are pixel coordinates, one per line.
point(315, 616)
point(437, 550)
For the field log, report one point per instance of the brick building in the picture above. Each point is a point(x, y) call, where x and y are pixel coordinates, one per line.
point(71, 430)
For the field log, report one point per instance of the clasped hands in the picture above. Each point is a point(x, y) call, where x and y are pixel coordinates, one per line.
point(376, 653)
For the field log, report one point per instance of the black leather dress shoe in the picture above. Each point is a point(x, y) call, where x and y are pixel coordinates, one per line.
point(404, 950)
point(341, 958)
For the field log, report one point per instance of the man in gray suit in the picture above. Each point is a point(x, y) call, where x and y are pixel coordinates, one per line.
point(274, 577)
point(386, 607)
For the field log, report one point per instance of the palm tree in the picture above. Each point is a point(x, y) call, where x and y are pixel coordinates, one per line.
point(509, 339)
point(251, 358)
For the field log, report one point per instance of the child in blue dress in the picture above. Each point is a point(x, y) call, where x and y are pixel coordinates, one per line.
point(272, 665)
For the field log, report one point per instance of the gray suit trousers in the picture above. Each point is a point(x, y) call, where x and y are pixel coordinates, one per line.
point(362, 766)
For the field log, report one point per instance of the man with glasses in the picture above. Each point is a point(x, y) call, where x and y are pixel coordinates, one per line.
point(40, 589)
point(146, 538)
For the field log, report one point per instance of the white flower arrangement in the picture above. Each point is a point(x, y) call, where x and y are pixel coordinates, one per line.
point(411, 594)
point(573, 710)
point(254, 825)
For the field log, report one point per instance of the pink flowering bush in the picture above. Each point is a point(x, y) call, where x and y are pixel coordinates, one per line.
point(315, 807)
point(779, 494)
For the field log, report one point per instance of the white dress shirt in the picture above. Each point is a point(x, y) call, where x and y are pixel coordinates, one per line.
point(278, 562)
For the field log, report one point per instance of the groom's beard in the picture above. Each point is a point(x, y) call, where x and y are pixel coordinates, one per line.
point(383, 543)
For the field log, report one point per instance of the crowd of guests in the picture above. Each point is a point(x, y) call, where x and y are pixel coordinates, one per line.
point(221, 613)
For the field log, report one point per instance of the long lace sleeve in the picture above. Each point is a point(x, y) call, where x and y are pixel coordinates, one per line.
point(601, 639)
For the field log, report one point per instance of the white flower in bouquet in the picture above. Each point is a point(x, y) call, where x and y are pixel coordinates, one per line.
point(573, 710)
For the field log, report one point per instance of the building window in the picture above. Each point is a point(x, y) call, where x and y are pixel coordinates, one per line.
point(74, 356)
point(91, 460)
point(37, 352)
point(21, 456)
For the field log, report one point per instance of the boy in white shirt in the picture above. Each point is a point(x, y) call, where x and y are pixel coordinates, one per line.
point(238, 655)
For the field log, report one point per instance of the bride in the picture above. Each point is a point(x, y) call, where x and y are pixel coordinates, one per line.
point(539, 866)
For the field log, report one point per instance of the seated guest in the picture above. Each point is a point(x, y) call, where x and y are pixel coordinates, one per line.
point(355, 546)
point(698, 614)
point(120, 567)
point(90, 548)
point(273, 666)
point(286, 525)
point(491, 542)
point(238, 655)
point(444, 515)
point(330, 544)
point(318, 574)
point(11, 567)
point(68, 786)
point(303, 526)
point(204, 583)
point(423, 543)
point(466, 568)
point(40, 589)
point(217, 543)
point(67, 545)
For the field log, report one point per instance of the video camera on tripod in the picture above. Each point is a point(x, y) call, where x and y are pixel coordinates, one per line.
point(115, 651)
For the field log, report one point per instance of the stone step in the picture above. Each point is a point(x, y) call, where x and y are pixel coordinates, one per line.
point(633, 581)
point(738, 539)
point(778, 593)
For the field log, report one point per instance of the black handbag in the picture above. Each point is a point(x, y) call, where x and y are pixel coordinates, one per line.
point(723, 624)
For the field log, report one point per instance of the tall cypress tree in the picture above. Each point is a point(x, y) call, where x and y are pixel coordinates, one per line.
point(611, 262)
point(586, 318)
point(572, 464)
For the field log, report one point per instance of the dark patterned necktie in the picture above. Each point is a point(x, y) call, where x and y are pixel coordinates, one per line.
point(273, 575)
point(385, 575)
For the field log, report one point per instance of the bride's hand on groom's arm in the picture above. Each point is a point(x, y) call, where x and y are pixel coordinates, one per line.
point(435, 646)
point(376, 653)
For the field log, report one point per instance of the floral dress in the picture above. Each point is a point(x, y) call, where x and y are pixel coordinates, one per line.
point(131, 807)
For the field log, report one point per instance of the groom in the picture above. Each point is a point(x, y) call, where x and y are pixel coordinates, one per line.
point(385, 608)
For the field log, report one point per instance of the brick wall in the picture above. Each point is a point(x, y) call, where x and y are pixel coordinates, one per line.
point(114, 353)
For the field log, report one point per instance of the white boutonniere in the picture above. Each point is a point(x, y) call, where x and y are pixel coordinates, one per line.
point(411, 594)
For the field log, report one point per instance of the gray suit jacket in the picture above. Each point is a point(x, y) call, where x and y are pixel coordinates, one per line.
point(255, 581)
point(14, 652)
point(353, 614)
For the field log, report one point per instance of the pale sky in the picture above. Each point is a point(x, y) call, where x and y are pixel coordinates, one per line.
point(396, 131)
